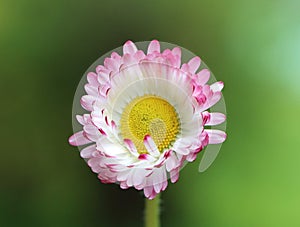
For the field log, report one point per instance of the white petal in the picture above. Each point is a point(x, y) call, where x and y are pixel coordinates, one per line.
point(110, 148)
point(217, 86)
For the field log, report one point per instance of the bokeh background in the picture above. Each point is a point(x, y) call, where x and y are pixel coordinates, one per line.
point(253, 46)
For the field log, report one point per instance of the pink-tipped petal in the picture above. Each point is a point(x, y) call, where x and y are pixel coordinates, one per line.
point(146, 157)
point(78, 139)
point(191, 157)
point(185, 67)
point(129, 48)
point(215, 136)
point(217, 86)
point(91, 89)
point(100, 68)
point(103, 89)
point(148, 191)
point(131, 147)
point(139, 55)
point(80, 119)
point(151, 146)
point(174, 175)
point(103, 78)
point(177, 51)
point(177, 57)
point(87, 101)
point(214, 99)
point(128, 59)
point(215, 119)
point(194, 64)
point(153, 47)
point(115, 56)
point(87, 152)
point(111, 64)
point(92, 78)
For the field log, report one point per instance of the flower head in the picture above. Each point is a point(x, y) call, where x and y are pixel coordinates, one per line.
point(146, 117)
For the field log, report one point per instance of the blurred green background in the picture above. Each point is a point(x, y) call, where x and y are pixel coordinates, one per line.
point(253, 46)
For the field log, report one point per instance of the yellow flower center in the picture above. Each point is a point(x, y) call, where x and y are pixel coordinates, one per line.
point(150, 115)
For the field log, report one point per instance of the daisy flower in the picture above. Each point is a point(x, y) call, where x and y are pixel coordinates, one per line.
point(146, 117)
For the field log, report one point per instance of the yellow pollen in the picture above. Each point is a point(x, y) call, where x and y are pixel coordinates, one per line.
point(150, 115)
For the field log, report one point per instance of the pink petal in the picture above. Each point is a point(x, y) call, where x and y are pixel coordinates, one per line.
point(78, 139)
point(214, 99)
point(90, 89)
point(80, 119)
point(205, 117)
point(215, 136)
point(100, 68)
point(174, 175)
point(91, 129)
point(215, 119)
point(115, 56)
point(139, 55)
point(103, 78)
point(203, 76)
point(158, 186)
point(103, 89)
point(92, 78)
point(177, 51)
point(191, 157)
point(94, 164)
point(87, 101)
point(148, 191)
point(153, 195)
point(111, 64)
point(129, 48)
point(88, 151)
point(123, 185)
point(128, 60)
point(154, 46)
point(185, 67)
point(194, 64)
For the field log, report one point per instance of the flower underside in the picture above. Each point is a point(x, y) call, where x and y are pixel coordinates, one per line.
point(153, 116)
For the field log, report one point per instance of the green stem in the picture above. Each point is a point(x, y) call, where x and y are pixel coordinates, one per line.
point(152, 212)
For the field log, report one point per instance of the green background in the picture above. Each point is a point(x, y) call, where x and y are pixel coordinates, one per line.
point(253, 46)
